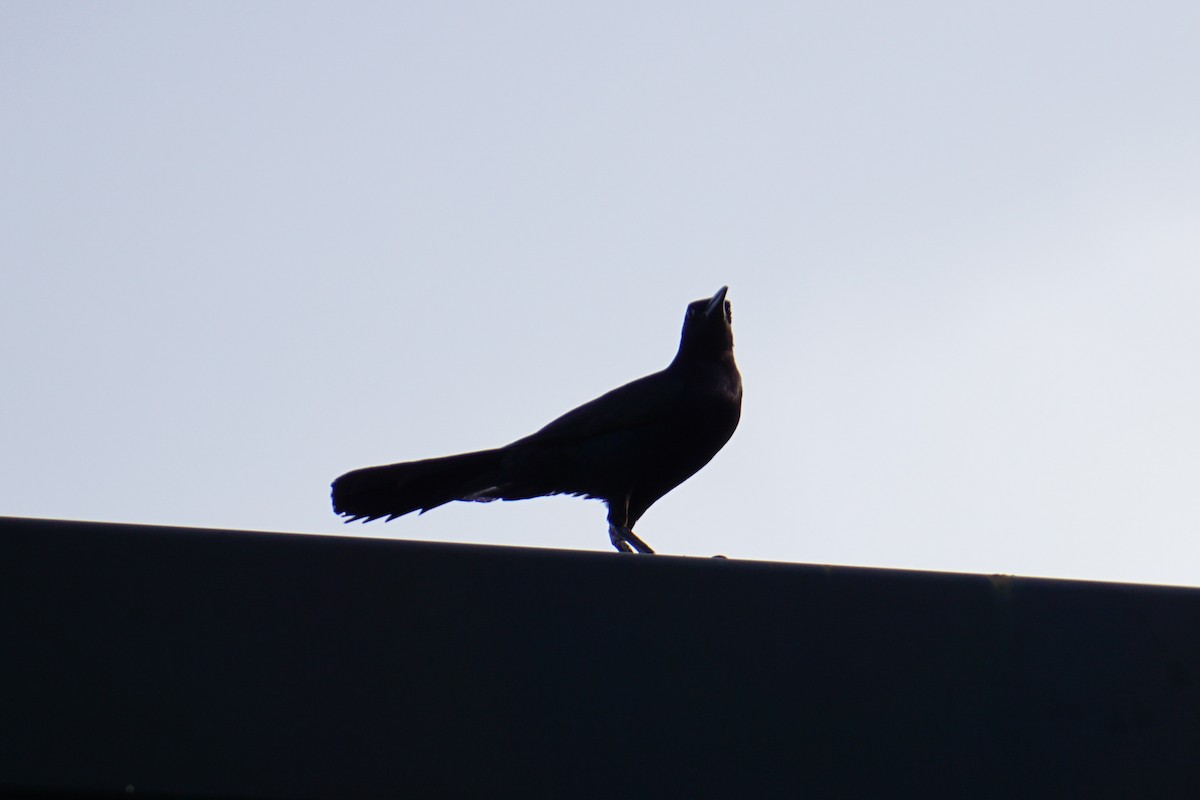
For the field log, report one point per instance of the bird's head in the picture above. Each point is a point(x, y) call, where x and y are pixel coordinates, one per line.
point(707, 327)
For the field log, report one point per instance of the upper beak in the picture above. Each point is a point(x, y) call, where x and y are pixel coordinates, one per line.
point(717, 302)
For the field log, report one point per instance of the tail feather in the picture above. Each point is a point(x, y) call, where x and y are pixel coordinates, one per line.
point(397, 489)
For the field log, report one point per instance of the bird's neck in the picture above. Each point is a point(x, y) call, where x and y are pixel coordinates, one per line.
point(703, 359)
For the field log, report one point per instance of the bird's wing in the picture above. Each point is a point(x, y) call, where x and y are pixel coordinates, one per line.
point(641, 402)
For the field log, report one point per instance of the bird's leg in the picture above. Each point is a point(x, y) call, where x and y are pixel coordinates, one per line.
point(626, 540)
point(618, 524)
point(617, 537)
point(637, 543)
point(620, 532)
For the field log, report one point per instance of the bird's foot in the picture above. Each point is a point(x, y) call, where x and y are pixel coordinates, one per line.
point(617, 537)
point(626, 541)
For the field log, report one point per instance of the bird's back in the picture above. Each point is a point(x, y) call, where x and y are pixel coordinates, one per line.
point(640, 440)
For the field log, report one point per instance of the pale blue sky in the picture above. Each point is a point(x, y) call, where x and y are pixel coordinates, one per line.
point(249, 246)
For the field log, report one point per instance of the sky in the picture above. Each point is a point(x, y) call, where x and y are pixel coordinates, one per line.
point(247, 247)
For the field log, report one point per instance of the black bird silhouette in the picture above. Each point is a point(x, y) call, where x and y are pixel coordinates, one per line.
point(628, 447)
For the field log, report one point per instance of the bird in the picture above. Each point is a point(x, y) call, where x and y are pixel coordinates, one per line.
point(628, 447)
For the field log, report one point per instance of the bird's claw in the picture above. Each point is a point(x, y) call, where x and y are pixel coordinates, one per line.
point(617, 537)
point(626, 541)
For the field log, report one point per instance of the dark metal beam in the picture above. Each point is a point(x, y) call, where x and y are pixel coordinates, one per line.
point(211, 663)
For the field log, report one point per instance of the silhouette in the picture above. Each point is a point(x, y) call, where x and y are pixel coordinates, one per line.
point(628, 447)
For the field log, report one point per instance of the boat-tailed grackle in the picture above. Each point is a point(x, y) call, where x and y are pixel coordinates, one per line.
point(628, 447)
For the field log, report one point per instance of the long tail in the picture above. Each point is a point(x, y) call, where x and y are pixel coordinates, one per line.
point(397, 489)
